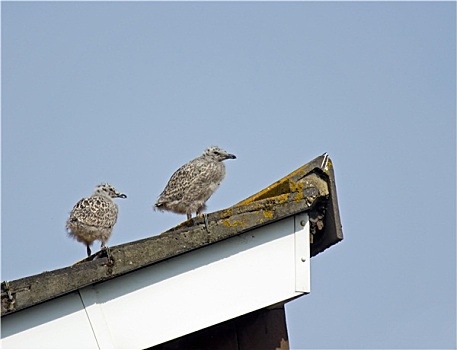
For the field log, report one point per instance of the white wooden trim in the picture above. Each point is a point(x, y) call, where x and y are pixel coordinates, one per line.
point(58, 324)
point(175, 297)
point(302, 254)
point(96, 317)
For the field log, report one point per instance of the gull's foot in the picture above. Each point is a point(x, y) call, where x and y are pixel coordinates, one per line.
point(205, 219)
point(107, 251)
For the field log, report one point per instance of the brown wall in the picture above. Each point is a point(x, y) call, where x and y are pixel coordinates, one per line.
point(263, 330)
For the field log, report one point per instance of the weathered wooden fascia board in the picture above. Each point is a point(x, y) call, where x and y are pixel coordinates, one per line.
point(333, 232)
point(328, 211)
point(128, 257)
point(260, 212)
point(290, 182)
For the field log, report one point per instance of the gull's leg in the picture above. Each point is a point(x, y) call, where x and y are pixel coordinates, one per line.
point(107, 250)
point(88, 249)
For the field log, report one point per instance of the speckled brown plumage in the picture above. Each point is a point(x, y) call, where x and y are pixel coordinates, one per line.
point(94, 217)
point(193, 184)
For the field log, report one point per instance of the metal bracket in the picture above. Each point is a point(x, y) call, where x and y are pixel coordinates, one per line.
point(325, 162)
point(205, 219)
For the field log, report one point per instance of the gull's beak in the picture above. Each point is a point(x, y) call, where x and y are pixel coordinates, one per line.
point(231, 156)
point(121, 195)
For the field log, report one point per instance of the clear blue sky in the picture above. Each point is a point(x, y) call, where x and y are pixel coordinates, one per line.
point(128, 92)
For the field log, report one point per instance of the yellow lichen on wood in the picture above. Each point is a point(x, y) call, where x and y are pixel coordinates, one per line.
point(227, 212)
point(280, 187)
point(299, 196)
point(268, 214)
point(234, 223)
point(296, 186)
point(274, 190)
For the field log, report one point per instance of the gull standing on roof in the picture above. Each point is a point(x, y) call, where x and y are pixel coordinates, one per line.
point(93, 218)
point(192, 184)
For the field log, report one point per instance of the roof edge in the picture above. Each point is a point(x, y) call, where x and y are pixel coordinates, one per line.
point(310, 188)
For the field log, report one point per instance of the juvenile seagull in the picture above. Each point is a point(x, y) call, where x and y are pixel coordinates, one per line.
point(93, 217)
point(191, 185)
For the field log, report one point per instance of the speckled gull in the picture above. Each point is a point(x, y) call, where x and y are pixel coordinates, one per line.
point(193, 184)
point(93, 218)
